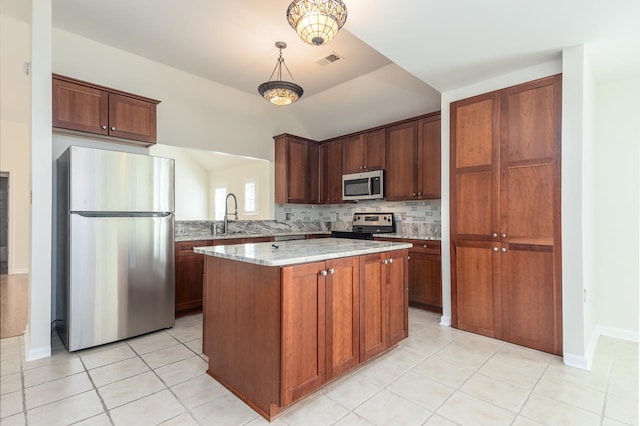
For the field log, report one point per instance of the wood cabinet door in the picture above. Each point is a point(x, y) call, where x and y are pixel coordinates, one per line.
point(425, 281)
point(132, 118)
point(303, 330)
point(189, 271)
point(374, 312)
point(331, 172)
point(313, 173)
point(398, 292)
point(429, 161)
point(342, 315)
point(374, 150)
point(353, 157)
point(297, 170)
point(79, 107)
point(401, 161)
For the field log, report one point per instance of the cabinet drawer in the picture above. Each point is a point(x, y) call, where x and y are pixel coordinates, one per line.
point(185, 248)
point(425, 246)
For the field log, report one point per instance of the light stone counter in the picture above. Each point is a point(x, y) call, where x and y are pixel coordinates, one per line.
point(286, 253)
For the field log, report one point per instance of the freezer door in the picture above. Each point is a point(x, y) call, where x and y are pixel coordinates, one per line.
point(121, 280)
point(111, 181)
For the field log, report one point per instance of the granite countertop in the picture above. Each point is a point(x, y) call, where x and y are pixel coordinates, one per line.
point(209, 236)
point(407, 237)
point(286, 253)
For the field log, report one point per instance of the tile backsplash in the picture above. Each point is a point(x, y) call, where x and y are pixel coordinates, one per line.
point(424, 211)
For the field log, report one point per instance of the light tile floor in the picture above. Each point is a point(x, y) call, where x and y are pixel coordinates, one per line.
point(438, 376)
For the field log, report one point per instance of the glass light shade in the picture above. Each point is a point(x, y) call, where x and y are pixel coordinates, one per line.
point(317, 21)
point(280, 92)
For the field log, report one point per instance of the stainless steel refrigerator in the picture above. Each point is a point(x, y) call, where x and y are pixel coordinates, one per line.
point(115, 265)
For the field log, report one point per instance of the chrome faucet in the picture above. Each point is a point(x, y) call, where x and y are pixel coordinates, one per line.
point(226, 214)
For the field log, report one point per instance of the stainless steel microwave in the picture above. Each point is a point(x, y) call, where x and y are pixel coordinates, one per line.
point(363, 186)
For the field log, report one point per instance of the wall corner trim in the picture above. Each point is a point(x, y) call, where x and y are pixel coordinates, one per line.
point(576, 361)
point(39, 353)
point(445, 321)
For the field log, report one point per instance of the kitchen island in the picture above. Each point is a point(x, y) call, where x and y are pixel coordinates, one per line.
point(283, 319)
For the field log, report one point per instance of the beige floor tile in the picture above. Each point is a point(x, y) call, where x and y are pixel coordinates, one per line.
point(594, 379)
point(621, 409)
point(496, 392)
point(10, 404)
point(67, 411)
point(57, 390)
point(387, 408)
point(226, 410)
point(381, 373)
point(422, 391)
point(403, 358)
point(523, 421)
point(184, 419)
point(9, 366)
point(198, 391)
point(625, 385)
point(127, 390)
point(261, 421)
point(443, 372)
point(182, 371)
point(56, 358)
point(551, 412)
point(117, 371)
point(152, 342)
point(571, 393)
point(521, 356)
point(150, 410)
point(461, 357)
point(104, 355)
point(186, 332)
point(168, 355)
point(437, 420)
point(318, 410)
point(524, 377)
point(195, 345)
point(352, 419)
point(62, 367)
point(10, 383)
point(352, 391)
point(15, 420)
point(610, 422)
point(99, 420)
point(469, 411)
point(423, 344)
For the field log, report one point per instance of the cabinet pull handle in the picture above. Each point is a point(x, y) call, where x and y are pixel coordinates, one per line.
point(503, 235)
point(494, 235)
point(390, 260)
point(104, 127)
point(495, 249)
point(113, 128)
point(385, 261)
point(323, 273)
point(504, 250)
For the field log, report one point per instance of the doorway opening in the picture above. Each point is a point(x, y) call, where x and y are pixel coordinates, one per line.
point(4, 223)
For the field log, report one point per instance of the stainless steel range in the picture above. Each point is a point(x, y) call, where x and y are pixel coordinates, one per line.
point(364, 225)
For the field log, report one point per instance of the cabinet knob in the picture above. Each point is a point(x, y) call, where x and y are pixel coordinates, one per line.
point(288, 198)
point(104, 127)
point(503, 235)
point(425, 246)
point(360, 167)
point(504, 250)
point(414, 194)
point(390, 260)
point(332, 271)
point(494, 235)
point(323, 273)
point(495, 249)
point(419, 193)
point(385, 262)
point(113, 128)
point(364, 167)
point(408, 257)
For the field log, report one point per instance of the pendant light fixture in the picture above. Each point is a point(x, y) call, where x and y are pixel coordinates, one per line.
point(280, 92)
point(317, 21)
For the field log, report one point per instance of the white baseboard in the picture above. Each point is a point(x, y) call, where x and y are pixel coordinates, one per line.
point(576, 361)
point(618, 333)
point(19, 271)
point(38, 353)
point(446, 321)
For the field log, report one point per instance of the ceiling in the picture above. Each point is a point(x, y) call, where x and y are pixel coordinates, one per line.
point(397, 56)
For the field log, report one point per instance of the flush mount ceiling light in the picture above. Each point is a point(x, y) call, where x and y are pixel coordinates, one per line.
point(280, 92)
point(317, 21)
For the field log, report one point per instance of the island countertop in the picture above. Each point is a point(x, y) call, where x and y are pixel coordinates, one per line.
point(284, 253)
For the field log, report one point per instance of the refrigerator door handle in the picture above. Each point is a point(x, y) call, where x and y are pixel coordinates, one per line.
point(123, 214)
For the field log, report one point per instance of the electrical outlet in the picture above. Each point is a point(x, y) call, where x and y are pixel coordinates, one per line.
point(585, 295)
point(403, 216)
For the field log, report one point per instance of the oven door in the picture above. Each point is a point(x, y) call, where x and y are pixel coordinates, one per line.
point(352, 235)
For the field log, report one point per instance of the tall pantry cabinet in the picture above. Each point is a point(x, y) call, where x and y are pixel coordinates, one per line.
point(505, 214)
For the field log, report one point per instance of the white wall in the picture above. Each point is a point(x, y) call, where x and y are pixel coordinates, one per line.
point(193, 113)
point(15, 122)
point(617, 209)
point(191, 183)
point(233, 180)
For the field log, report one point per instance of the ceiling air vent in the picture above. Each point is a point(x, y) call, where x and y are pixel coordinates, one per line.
point(328, 59)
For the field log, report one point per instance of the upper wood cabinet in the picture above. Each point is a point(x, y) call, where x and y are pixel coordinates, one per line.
point(413, 160)
point(364, 151)
point(331, 172)
point(296, 170)
point(86, 107)
point(505, 214)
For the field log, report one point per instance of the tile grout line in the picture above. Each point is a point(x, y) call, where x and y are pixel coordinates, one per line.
point(524, 404)
point(95, 388)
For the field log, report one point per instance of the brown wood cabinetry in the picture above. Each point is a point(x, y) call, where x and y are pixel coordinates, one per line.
point(364, 151)
point(331, 172)
point(86, 107)
point(425, 275)
point(413, 160)
point(505, 214)
point(296, 169)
